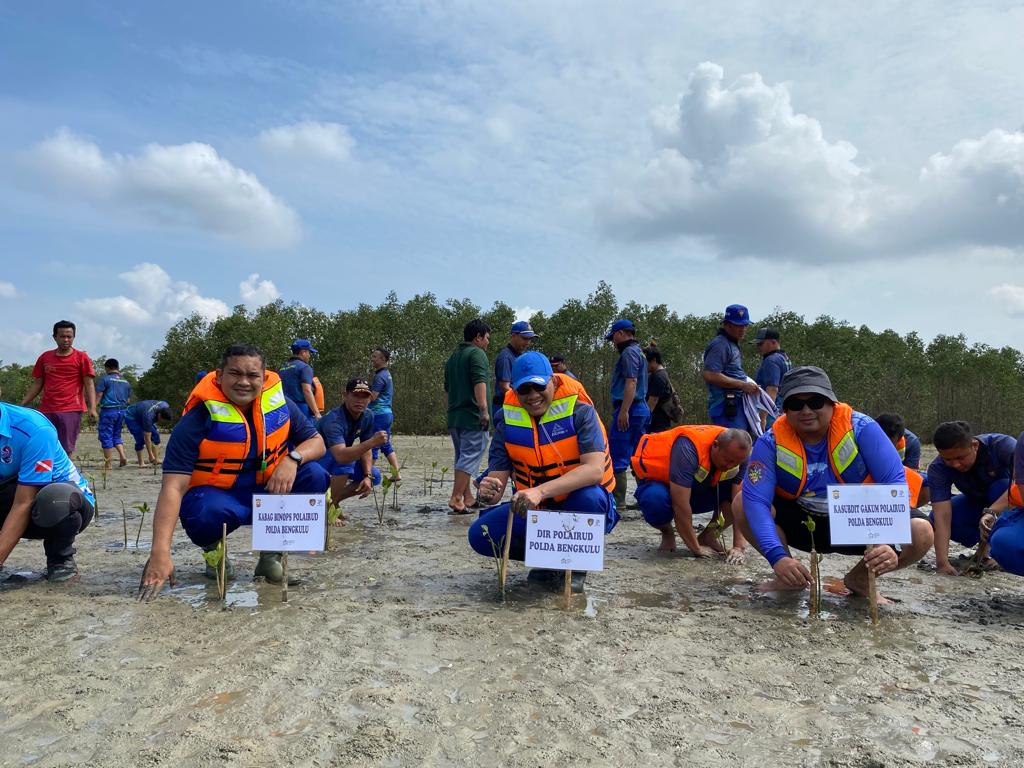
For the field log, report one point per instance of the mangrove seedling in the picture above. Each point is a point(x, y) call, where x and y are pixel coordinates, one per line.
point(717, 524)
point(103, 474)
point(124, 519)
point(815, 569)
point(333, 513)
point(499, 561)
point(143, 509)
point(213, 558)
point(444, 471)
point(385, 486)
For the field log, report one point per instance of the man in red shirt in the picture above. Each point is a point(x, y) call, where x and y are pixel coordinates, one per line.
point(65, 377)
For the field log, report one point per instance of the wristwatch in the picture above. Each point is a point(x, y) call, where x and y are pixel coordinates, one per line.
point(296, 457)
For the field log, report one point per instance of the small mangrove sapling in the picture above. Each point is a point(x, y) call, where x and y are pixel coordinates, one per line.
point(815, 569)
point(143, 509)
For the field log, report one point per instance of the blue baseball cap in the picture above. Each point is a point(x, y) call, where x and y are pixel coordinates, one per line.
point(524, 329)
point(737, 314)
point(531, 368)
point(619, 325)
point(302, 344)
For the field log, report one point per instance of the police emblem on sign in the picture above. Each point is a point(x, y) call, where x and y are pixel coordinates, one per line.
point(533, 519)
point(312, 502)
point(835, 494)
point(893, 492)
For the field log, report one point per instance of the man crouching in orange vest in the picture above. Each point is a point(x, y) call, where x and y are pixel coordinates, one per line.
point(818, 442)
point(688, 470)
point(549, 439)
point(238, 435)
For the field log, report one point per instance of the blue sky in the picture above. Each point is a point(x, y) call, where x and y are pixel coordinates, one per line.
point(160, 159)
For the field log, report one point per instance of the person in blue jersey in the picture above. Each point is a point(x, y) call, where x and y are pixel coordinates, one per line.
point(774, 365)
point(42, 493)
point(559, 365)
point(350, 438)
point(790, 469)
point(981, 468)
point(297, 379)
point(630, 413)
point(238, 436)
point(113, 392)
point(141, 419)
point(1003, 529)
point(382, 400)
point(723, 370)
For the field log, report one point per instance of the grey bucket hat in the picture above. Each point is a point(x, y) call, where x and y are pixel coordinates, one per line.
point(806, 380)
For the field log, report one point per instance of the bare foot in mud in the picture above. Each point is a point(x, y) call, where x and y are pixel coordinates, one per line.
point(668, 542)
point(775, 585)
point(852, 586)
point(708, 538)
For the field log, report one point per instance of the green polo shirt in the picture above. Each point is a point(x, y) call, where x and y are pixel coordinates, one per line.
point(466, 367)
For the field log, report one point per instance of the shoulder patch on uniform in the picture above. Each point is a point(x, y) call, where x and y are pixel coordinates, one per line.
point(755, 471)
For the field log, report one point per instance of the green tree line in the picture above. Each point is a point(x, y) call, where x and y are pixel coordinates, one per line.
point(874, 371)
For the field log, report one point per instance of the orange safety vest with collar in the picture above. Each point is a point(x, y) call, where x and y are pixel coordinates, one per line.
point(546, 448)
point(653, 454)
point(1014, 495)
point(901, 448)
point(791, 456)
point(224, 452)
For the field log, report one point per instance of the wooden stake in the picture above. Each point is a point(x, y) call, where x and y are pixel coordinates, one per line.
point(815, 607)
point(505, 551)
point(284, 580)
point(872, 590)
point(222, 569)
point(568, 588)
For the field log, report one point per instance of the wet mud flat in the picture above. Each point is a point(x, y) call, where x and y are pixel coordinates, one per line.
point(397, 650)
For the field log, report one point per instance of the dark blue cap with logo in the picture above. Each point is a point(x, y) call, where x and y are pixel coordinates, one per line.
point(524, 329)
point(619, 325)
point(531, 368)
point(302, 344)
point(737, 314)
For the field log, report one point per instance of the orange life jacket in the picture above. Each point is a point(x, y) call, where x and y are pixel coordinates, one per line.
point(915, 482)
point(1014, 496)
point(653, 454)
point(791, 457)
point(546, 448)
point(318, 394)
point(901, 448)
point(224, 452)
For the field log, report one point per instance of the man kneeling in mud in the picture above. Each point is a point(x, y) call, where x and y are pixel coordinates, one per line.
point(818, 442)
point(548, 437)
point(239, 435)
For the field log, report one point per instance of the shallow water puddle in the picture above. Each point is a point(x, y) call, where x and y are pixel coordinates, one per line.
point(205, 595)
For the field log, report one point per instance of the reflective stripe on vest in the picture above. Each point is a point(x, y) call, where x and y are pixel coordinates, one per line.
point(791, 457)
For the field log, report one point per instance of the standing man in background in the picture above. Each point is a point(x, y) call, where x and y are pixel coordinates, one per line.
point(630, 414)
point(114, 392)
point(469, 416)
point(297, 379)
point(774, 365)
point(662, 400)
point(65, 377)
point(381, 400)
point(723, 371)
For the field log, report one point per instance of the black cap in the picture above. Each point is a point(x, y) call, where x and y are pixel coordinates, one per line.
point(766, 334)
point(357, 384)
point(807, 380)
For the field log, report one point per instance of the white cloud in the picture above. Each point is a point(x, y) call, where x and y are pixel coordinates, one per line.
point(310, 139)
point(7, 290)
point(184, 185)
point(524, 313)
point(256, 292)
point(1011, 297)
point(117, 309)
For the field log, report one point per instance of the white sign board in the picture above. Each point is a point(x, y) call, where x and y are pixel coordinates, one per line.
point(564, 540)
point(869, 514)
point(288, 523)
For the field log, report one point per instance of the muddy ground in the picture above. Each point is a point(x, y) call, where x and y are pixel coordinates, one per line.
point(397, 650)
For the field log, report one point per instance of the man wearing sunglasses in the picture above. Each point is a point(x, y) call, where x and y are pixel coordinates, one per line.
point(549, 439)
point(817, 442)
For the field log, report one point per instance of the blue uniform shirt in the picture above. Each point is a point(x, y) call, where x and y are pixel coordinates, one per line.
point(773, 367)
point(339, 428)
point(293, 375)
point(994, 462)
point(722, 355)
point(588, 435)
point(631, 365)
point(877, 450)
point(30, 451)
point(143, 413)
point(383, 385)
point(114, 391)
point(912, 450)
point(503, 371)
point(191, 429)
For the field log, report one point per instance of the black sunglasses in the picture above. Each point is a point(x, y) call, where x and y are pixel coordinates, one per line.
point(816, 403)
point(525, 389)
